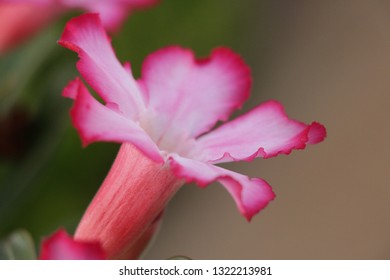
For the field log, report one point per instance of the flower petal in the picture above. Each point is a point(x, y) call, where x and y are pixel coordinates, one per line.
point(99, 66)
point(250, 195)
point(60, 246)
point(96, 122)
point(266, 131)
point(193, 95)
point(112, 12)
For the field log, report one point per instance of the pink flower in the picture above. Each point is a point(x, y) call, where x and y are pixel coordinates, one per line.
point(164, 120)
point(60, 246)
point(13, 19)
point(112, 12)
point(20, 19)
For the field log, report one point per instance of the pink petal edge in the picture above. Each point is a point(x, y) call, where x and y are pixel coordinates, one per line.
point(250, 195)
point(99, 66)
point(265, 131)
point(61, 246)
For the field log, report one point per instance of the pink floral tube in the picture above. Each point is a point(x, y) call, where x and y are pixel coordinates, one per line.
point(165, 121)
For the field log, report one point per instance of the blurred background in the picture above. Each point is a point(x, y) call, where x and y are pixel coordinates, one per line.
point(326, 61)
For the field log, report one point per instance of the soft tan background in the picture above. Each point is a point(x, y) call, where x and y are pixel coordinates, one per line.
point(327, 61)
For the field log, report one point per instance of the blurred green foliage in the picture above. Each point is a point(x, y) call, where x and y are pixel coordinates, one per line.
point(51, 181)
point(18, 246)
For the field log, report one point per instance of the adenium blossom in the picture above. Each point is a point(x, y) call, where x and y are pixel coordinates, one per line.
point(20, 19)
point(165, 120)
point(61, 246)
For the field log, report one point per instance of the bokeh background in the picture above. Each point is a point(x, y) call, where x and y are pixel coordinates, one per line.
point(324, 60)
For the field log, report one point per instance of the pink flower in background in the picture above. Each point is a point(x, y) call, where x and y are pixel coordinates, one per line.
point(164, 120)
point(20, 19)
point(60, 246)
point(112, 12)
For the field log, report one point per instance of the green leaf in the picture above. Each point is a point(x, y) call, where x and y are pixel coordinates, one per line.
point(18, 246)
